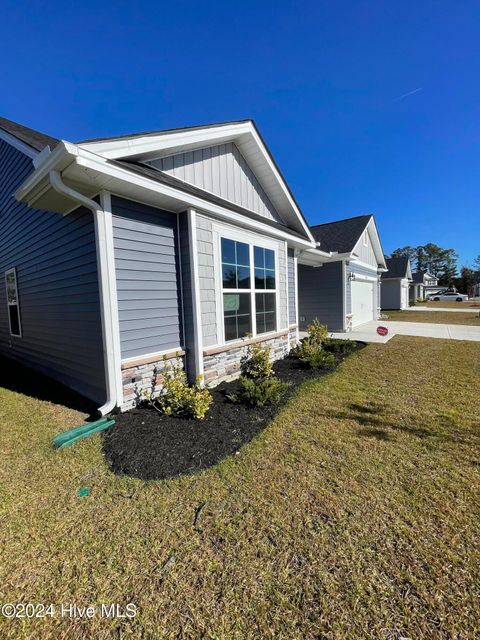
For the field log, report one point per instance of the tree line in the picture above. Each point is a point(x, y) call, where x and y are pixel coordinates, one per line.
point(443, 264)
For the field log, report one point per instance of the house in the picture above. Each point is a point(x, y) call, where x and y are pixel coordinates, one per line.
point(339, 280)
point(395, 284)
point(120, 254)
point(422, 285)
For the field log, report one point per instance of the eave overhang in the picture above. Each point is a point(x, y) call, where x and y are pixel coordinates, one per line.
point(89, 173)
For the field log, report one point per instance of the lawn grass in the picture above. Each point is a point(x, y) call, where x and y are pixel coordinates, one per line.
point(354, 515)
point(437, 317)
point(468, 304)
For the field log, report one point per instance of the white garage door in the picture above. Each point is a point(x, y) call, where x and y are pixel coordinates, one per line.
point(362, 302)
point(404, 297)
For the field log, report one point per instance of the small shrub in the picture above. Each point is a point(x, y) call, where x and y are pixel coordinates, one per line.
point(255, 364)
point(317, 332)
point(178, 397)
point(258, 393)
point(313, 354)
point(338, 346)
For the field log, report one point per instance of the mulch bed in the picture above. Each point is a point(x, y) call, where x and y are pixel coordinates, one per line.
point(150, 446)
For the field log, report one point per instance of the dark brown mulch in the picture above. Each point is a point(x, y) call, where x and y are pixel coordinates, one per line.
point(150, 446)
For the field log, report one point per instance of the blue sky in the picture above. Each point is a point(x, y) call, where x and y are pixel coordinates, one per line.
point(323, 81)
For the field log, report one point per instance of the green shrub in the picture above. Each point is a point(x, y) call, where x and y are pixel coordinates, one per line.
point(313, 354)
point(255, 364)
point(258, 393)
point(338, 346)
point(317, 332)
point(178, 397)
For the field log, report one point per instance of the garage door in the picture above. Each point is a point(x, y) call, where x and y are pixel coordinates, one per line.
point(362, 302)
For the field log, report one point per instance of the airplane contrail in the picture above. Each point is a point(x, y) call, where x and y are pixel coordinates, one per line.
point(405, 95)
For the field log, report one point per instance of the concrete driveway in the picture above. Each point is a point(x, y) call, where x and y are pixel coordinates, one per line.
point(368, 332)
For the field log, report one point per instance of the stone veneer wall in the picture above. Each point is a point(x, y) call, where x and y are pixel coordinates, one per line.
point(220, 365)
point(142, 376)
point(145, 375)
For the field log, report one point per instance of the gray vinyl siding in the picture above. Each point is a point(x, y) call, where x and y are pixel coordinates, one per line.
point(187, 292)
point(206, 278)
point(391, 294)
point(292, 307)
point(320, 295)
point(361, 271)
point(56, 264)
point(221, 170)
point(282, 287)
point(148, 278)
point(366, 253)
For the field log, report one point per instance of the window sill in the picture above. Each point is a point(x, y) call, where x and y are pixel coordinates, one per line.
point(244, 342)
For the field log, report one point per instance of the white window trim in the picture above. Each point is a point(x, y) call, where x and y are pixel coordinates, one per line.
point(17, 304)
point(233, 233)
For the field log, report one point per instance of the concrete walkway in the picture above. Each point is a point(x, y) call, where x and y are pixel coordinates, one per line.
point(449, 309)
point(368, 332)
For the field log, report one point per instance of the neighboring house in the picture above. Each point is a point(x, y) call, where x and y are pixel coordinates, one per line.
point(339, 281)
point(395, 284)
point(120, 253)
point(423, 284)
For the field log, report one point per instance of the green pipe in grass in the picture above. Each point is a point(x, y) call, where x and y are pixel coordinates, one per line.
point(83, 431)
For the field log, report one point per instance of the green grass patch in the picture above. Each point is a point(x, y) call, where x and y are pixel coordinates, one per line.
point(354, 515)
point(436, 317)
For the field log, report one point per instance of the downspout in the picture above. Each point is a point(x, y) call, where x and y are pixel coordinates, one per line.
point(104, 287)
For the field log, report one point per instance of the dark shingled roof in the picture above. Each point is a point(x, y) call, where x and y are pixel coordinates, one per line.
point(340, 236)
point(397, 268)
point(160, 132)
point(34, 139)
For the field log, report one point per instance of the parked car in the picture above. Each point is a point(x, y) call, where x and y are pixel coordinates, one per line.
point(457, 297)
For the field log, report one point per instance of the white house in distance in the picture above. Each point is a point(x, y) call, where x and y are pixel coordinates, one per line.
point(395, 284)
point(339, 281)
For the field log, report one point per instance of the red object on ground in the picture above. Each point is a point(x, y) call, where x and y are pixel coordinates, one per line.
point(382, 331)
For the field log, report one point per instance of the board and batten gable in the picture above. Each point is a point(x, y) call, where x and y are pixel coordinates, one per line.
point(223, 171)
point(56, 266)
point(364, 250)
point(148, 278)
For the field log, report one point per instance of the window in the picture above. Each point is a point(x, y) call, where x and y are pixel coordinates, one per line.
point(248, 289)
point(12, 303)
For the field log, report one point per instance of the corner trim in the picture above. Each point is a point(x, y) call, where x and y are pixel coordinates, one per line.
point(197, 315)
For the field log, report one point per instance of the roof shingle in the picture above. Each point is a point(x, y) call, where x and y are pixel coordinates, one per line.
point(340, 236)
point(34, 139)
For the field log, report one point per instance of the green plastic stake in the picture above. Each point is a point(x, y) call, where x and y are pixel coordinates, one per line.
point(83, 492)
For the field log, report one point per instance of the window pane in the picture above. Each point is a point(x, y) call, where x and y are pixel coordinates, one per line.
point(11, 287)
point(231, 328)
point(229, 277)
point(259, 257)
point(269, 259)
point(260, 322)
point(259, 279)
point(231, 302)
point(270, 279)
point(14, 320)
point(269, 301)
point(270, 321)
point(244, 326)
point(243, 277)
point(228, 251)
point(260, 302)
point(243, 254)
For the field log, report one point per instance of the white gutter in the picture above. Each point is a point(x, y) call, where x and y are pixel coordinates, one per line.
point(101, 236)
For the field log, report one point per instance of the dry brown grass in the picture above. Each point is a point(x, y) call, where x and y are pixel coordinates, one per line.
point(436, 317)
point(354, 515)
